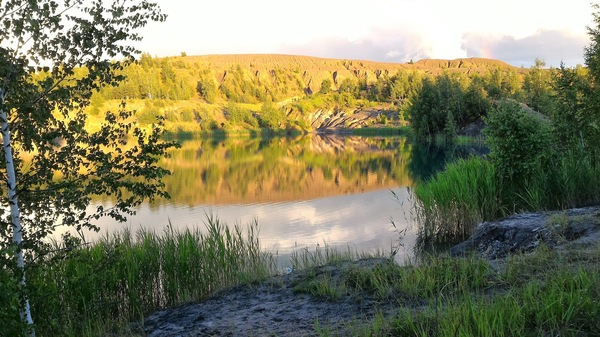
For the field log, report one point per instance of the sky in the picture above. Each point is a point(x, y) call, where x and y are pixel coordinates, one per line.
point(515, 31)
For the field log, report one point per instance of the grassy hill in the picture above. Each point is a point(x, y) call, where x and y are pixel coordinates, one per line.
point(314, 70)
point(280, 92)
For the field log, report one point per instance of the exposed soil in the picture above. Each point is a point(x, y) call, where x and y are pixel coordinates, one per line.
point(275, 307)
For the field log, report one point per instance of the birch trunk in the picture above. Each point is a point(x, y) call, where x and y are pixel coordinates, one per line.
point(15, 214)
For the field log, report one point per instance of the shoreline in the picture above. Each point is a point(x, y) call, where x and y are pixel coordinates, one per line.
point(338, 297)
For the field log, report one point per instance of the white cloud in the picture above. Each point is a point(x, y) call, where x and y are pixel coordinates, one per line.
point(551, 46)
point(382, 30)
point(393, 54)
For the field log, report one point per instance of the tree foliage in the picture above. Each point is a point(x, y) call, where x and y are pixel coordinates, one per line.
point(537, 88)
point(518, 139)
point(592, 94)
point(53, 56)
point(448, 99)
point(153, 79)
point(571, 118)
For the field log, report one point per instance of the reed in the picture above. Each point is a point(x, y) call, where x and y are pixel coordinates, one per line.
point(569, 180)
point(125, 276)
point(452, 203)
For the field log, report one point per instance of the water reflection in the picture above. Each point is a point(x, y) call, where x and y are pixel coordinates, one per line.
point(427, 158)
point(303, 191)
point(237, 170)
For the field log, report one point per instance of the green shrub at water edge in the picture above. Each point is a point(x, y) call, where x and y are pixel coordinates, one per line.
point(519, 141)
point(525, 172)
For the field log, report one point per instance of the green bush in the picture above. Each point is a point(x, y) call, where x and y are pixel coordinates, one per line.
point(148, 115)
point(326, 86)
point(519, 141)
point(207, 89)
point(238, 115)
point(271, 117)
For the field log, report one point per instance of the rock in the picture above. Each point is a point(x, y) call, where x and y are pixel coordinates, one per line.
point(524, 232)
point(474, 129)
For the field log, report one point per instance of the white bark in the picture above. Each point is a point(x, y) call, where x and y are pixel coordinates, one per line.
point(15, 213)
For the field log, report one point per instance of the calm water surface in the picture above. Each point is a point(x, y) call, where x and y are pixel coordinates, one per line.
point(305, 191)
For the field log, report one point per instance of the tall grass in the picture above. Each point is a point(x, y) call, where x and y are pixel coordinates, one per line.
point(469, 191)
point(569, 180)
point(125, 276)
point(452, 203)
point(547, 293)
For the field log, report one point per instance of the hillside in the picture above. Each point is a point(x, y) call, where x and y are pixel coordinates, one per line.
point(314, 69)
point(285, 92)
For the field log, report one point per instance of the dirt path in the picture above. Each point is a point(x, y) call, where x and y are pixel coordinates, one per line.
point(271, 308)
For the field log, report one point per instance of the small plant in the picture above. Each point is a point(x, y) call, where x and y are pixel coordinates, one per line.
point(558, 224)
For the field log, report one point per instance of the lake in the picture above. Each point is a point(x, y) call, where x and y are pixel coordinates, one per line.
point(342, 191)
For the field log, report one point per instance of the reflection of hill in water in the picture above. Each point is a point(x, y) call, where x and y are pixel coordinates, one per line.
point(282, 169)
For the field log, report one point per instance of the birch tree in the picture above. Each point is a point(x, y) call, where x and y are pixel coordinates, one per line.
point(53, 55)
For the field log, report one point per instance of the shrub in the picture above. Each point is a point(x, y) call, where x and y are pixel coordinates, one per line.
point(326, 86)
point(237, 114)
point(148, 115)
point(518, 140)
point(207, 89)
point(270, 116)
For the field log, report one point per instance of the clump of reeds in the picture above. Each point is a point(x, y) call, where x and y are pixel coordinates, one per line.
point(571, 179)
point(453, 202)
point(450, 205)
point(124, 276)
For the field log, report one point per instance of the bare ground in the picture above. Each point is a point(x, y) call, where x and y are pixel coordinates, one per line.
point(272, 308)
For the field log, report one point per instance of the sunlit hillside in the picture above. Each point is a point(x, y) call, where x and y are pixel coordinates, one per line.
point(285, 92)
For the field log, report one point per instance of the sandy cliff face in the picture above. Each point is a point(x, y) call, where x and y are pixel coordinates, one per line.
point(313, 70)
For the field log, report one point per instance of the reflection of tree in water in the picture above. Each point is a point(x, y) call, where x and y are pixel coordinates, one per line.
point(262, 169)
point(428, 158)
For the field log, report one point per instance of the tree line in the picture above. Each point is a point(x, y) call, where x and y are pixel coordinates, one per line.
point(433, 104)
point(450, 102)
